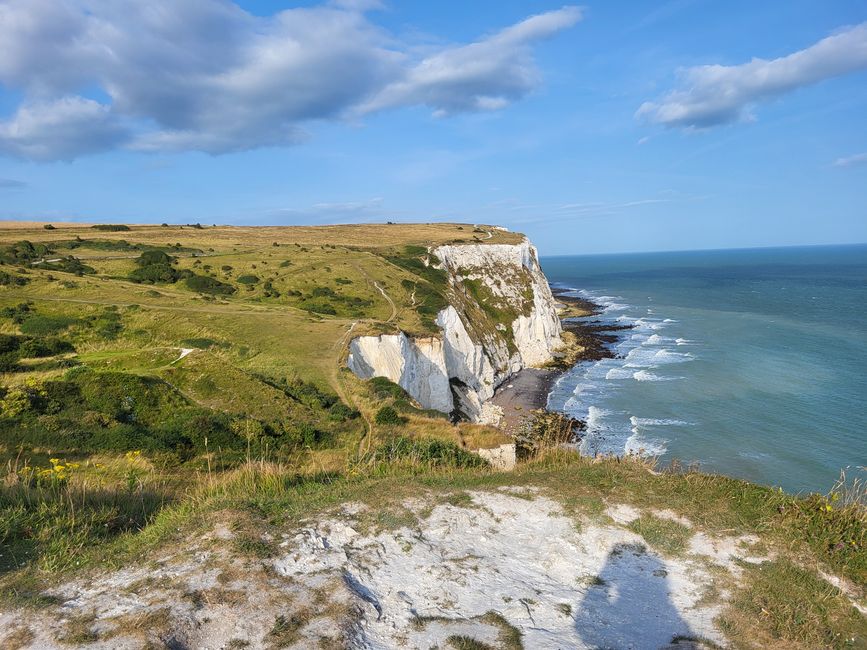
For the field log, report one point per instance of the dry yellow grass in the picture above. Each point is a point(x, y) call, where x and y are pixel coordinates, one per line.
point(256, 237)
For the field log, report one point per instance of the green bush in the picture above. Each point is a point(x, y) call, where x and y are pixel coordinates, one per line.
point(204, 284)
point(111, 227)
point(155, 266)
point(388, 416)
point(44, 325)
point(23, 251)
point(18, 313)
point(9, 280)
point(248, 279)
point(112, 411)
point(149, 257)
point(44, 347)
point(322, 292)
point(422, 452)
point(340, 412)
point(68, 264)
point(318, 307)
point(385, 388)
point(156, 274)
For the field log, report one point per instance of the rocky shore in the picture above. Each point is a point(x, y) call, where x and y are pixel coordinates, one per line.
point(528, 390)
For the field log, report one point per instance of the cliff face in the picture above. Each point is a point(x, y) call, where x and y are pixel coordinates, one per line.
point(501, 317)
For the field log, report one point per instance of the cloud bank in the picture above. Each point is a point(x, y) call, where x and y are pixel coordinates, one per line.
point(711, 95)
point(204, 75)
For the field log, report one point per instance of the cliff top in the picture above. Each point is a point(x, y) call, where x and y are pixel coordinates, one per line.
point(372, 235)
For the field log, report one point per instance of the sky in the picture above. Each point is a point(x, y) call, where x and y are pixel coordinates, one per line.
point(608, 127)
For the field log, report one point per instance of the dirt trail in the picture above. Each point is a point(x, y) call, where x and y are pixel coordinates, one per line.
point(342, 393)
point(390, 302)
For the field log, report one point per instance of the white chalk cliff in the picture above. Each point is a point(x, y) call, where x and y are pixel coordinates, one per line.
point(475, 350)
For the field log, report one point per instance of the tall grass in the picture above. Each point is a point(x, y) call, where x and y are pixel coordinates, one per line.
point(50, 518)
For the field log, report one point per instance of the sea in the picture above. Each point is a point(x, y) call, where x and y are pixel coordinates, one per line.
point(750, 363)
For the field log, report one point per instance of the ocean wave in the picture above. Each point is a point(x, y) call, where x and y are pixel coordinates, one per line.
point(638, 445)
point(644, 375)
point(618, 373)
point(642, 423)
point(643, 357)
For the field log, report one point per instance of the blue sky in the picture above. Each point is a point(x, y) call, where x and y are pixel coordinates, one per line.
point(616, 126)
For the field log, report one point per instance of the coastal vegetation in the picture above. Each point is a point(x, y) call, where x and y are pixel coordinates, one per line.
point(182, 379)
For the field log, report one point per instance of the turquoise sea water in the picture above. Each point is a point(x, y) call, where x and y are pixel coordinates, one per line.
point(751, 362)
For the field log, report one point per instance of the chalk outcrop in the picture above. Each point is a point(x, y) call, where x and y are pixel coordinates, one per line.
point(501, 318)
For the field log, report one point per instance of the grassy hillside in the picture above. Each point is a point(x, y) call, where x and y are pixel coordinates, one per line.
point(160, 380)
point(244, 327)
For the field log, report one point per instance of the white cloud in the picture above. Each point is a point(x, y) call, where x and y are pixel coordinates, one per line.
point(716, 94)
point(483, 76)
point(206, 75)
point(60, 130)
point(851, 161)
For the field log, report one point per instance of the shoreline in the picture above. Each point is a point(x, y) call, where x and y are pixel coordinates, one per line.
point(528, 389)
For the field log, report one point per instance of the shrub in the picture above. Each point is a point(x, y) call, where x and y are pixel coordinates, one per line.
point(44, 347)
point(204, 284)
point(318, 307)
point(248, 279)
point(48, 226)
point(388, 416)
point(43, 325)
point(9, 280)
point(545, 431)
point(67, 264)
point(155, 273)
point(424, 452)
point(149, 257)
point(111, 227)
point(18, 313)
point(384, 388)
point(155, 266)
point(340, 412)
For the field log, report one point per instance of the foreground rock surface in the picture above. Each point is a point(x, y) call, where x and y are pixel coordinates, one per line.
point(505, 567)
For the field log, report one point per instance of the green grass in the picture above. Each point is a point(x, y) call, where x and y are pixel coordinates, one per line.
point(264, 380)
point(795, 606)
point(462, 642)
point(664, 535)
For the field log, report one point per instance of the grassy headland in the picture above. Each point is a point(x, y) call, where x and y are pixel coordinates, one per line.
point(159, 379)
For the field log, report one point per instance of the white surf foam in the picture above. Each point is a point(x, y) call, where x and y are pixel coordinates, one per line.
point(644, 375)
point(643, 423)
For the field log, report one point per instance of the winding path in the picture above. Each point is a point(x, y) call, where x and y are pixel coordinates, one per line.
point(390, 302)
